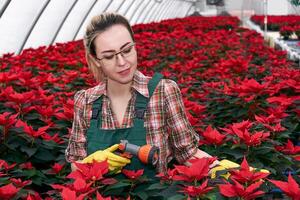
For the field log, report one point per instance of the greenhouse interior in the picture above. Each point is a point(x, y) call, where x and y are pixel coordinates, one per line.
point(149, 99)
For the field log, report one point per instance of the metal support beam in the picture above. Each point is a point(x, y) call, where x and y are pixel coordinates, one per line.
point(120, 6)
point(155, 13)
point(83, 20)
point(151, 10)
point(4, 8)
point(135, 9)
point(188, 10)
point(63, 21)
point(128, 8)
point(141, 12)
point(164, 10)
point(32, 26)
point(145, 12)
point(149, 17)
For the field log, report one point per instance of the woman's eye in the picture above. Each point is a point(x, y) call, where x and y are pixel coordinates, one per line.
point(109, 57)
point(127, 50)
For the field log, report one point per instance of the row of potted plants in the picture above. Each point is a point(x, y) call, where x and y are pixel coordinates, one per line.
point(288, 31)
point(241, 97)
point(288, 26)
point(275, 22)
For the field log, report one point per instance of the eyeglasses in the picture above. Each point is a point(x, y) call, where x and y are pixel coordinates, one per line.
point(111, 59)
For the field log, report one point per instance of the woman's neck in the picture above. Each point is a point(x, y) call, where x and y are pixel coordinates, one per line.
point(118, 90)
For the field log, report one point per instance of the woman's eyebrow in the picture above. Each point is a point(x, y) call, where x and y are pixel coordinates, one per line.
point(108, 51)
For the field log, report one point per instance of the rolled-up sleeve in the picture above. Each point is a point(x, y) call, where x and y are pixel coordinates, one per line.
point(76, 149)
point(182, 139)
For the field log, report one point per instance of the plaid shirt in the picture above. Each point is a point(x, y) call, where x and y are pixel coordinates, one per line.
point(165, 120)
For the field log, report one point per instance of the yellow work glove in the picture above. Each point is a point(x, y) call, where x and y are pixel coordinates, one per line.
point(115, 162)
point(225, 165)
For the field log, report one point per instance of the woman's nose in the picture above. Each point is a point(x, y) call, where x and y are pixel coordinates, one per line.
point(120, 59)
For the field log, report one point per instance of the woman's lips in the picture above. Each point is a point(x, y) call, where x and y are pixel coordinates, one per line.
point(124, 72)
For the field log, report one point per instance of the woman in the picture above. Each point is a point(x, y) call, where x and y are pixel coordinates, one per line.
point(127, 104)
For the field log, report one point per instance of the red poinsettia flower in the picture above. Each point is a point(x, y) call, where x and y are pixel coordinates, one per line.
point(8, 191)
point(6, 166)
point(269, 122)
point(212, 136)
point(68, 194)
point(7, 120)
point(27, 165)
point(275, 128)
point(245, 175)
point(253, 139)
point(281, 100)
point(168, 175)
point(81, 186)
point(20, 98)
point(133, 175)
point(46, 112)
point(55, 138)
point(290, 188)
point(78, 189)
point(238, 190)
point(2, 174)
point(193, 106)
point(297, 158)
point(278, 111)
point(249, 89)
point(56, 168)
point(30, 131)
point(67, 111)
point(6, 77)
point(198, 170)
point(197, 191)
point(242, 126)
point(289, 148)
point(35, 196)
point(91, 172)
point(19, 183)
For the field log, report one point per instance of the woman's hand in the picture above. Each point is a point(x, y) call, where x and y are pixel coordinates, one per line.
point(114, 161)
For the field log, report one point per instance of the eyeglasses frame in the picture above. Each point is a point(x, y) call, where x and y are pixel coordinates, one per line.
point(118, 52)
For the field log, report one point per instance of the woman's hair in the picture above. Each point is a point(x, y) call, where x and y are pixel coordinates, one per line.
point(96, 26)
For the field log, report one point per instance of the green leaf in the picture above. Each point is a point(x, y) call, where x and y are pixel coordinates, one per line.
point(28, 150)
point(119, 185)
point(156, 186)
point(235, 153)
point(28, 173)
point(262, 150)
point(177, 197)
point(4, 180)
point(32, 117)
point(44, 155)
point(140, 194)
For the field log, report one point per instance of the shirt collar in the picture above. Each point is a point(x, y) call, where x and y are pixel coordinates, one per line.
point(139, 84)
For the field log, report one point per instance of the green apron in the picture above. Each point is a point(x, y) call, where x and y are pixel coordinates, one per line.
point(99, 139)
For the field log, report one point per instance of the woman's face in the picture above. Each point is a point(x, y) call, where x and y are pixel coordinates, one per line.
point(116, 51)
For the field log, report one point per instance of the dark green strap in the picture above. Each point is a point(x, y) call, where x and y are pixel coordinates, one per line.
point(153, 83)
point(96, 119)
point(141, 101)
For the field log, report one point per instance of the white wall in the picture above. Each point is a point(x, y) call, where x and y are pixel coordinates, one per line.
point(32, 23)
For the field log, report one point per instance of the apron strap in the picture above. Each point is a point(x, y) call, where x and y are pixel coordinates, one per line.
point(154, 82)
point(141, 102)
point(96, 112)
